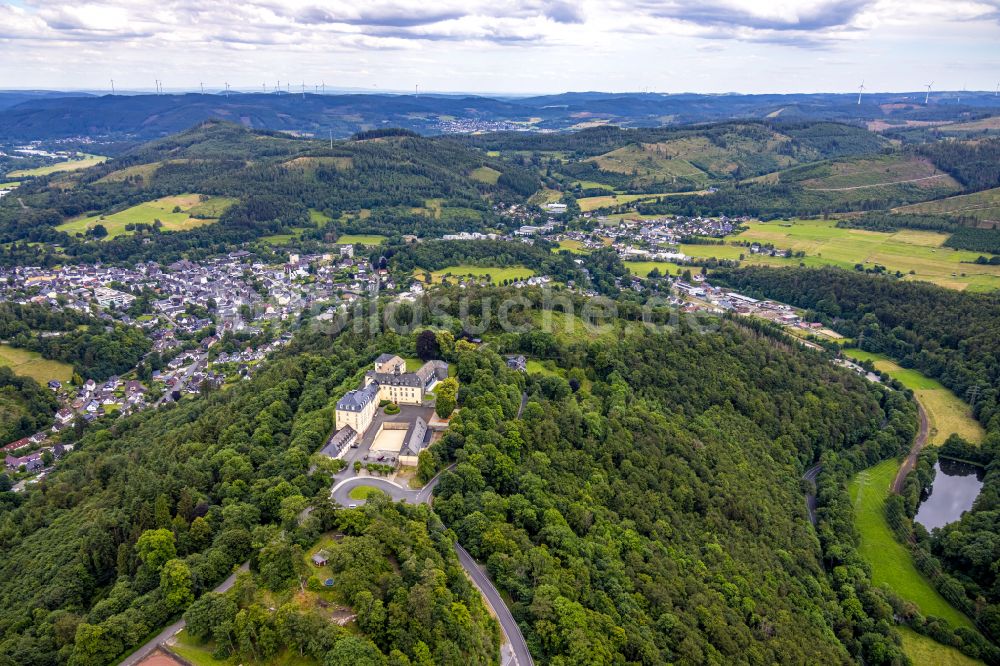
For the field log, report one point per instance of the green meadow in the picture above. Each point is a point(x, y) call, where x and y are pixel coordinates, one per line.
point(361, 239)
point(496, 274)
point(925, 651)
point(68, 165)
point(946, 413)
point(31, 364)
point(826, 244)
point(890, 561)
point(192, 212)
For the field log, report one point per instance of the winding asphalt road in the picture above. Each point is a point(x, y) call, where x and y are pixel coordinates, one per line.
point(811, 475)
point(173, 629)
point(520, 656)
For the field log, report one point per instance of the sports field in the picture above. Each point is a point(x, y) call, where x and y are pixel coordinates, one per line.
point(826, 244)
point(361, 239)
point(68, 165)
point(946, 413)
point(497, 275)
point(193, 212)
point(31, 364)
point(890, 560)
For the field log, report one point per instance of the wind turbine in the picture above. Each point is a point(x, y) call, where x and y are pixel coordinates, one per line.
point(860, 89)
point(928, 95)
point(323, 86)
point(112, 86)
point(227, 91)
point(997, 93)
point(303, 90)
point(202, 88)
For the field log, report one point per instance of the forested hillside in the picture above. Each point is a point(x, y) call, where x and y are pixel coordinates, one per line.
point(657, 517)
point(25, 407)
point(394, 183)
point(951, 336)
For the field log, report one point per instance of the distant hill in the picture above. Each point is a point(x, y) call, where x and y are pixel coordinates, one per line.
point(35, 115)
point(272, 185)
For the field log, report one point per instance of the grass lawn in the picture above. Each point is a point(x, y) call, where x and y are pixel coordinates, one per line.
point(574, 246)
point(925, 651)
point(413, 363)
point(362, 492)
point(485, 174)
point(162, 209)
point(200, 654)
point(540, 368)
point(31, 364)
point(318, 218)
point(497, 274)
point(890, 560)
point(826, 244)
point(68, 165)
point(361, 239)
point(946, 413)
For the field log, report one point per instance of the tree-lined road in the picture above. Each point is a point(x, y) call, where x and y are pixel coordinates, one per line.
point(519, 654)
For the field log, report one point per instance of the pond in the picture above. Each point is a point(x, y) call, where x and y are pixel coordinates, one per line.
point(956, 486)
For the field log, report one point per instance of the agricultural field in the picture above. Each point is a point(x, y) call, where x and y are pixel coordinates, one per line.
point(361, 239)
point(31, 364)
point(925, 651)
point(890, 561)
point(588, 204)
point(193, 212)
point(68, 165)
point(946, 413)
point(991, 124)
point(9, 185)
point(485, 174)
point(825, 244)
point(497, 274)
point(984, 206)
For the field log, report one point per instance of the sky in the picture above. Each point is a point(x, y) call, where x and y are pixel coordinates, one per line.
point(502, 46)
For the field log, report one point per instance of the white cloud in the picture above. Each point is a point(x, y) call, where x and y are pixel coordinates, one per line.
point(537, 44)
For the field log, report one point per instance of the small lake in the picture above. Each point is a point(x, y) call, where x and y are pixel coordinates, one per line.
point(956, 486)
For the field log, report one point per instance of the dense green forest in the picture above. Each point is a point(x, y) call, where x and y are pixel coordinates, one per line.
point(25, 407)
point(94, 348)
point(974, 164)
point(953, 337)
point(219, 475)
point(657, 517)
point(395, 565)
